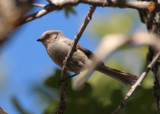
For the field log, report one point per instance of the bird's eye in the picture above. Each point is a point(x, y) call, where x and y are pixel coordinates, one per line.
point(47, 35)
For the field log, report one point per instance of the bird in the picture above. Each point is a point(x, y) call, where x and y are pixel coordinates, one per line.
point(58, 45)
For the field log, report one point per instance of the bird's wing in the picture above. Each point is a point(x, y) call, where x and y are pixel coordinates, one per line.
point(87, 52)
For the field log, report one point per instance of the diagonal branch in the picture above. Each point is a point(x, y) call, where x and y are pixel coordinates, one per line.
point(47, 9)
point(61, 107)
point(59, 4)
point(138, 82)
point(2, 111)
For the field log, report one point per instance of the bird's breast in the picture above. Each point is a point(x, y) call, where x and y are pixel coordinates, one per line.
point(58, 52)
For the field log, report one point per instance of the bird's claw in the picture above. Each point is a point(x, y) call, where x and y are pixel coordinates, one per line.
point(63, 81)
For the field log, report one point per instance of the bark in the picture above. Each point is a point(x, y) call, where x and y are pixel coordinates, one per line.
point(152, 21)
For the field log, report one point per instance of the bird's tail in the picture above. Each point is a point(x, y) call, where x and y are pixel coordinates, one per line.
point(123, 77)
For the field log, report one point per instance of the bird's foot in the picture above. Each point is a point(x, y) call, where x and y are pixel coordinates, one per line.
point(62, 81)
point(65, 80)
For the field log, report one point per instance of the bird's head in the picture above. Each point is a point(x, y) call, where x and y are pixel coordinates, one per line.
point(50, 36)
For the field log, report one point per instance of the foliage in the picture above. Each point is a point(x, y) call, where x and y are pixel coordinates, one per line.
point(102, 96)
point(18, 106)
point(69, 10)
point(114, 22)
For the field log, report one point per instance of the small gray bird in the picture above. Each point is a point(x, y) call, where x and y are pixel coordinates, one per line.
point(58, 46)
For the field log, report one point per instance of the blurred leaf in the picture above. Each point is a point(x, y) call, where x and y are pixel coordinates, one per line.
point(112, 25)
point(102, 88)
point(102, 95)
point(142, 102)
point(116, 22)
point(125, 47)
point(51, 109)
point(142, 51)
point(148, 82)
point(53, 81)
point(18, 106)
point(69, 10)
point(47, 94)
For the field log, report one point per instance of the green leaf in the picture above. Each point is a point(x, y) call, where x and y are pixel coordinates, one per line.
point(51, 109)
point(18, 106)
point(69, 10)
point(120, 22)
point(53, 81)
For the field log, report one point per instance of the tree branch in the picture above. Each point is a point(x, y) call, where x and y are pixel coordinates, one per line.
point(138, 82)
point(2, 111)
point(153, 26)
point(61, 107)
point(11, 15)
point(59, 4)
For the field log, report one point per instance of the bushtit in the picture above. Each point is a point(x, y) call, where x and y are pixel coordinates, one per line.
point(58, 46)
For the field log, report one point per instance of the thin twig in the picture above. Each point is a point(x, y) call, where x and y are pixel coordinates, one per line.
point(138, 82)
point(39, 5)
point(61, 107)
point(47, 9)
point(59, 4)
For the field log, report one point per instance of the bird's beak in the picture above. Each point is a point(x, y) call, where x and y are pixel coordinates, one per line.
point(39, 40)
